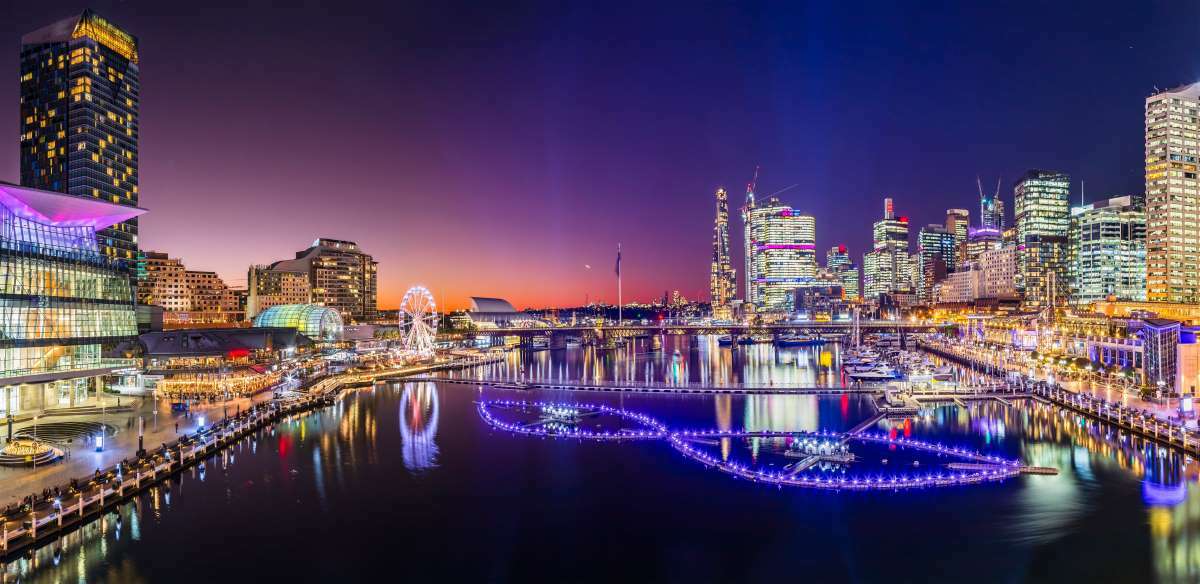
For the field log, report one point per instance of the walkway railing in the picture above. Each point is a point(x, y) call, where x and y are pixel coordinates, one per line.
point(41, 516)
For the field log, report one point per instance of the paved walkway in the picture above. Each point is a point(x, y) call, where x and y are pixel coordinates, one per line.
point(82, 459)
point(1166, 411)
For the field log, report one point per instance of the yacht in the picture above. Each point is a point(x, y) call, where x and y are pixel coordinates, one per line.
point(880, 373)
point(725, 340)
point(792, 340)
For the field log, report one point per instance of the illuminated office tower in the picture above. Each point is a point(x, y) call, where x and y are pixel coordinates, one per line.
point(837, 262)
point(748, 274)
point(837, 258)
point(79, 118)
point(981, 239)
point(1173, 195)
point(958, 224)
point(1108, 250)
point(936, 249)
point(721, 277)
point(886, 267)
point(782, 254)
point(1043, 222)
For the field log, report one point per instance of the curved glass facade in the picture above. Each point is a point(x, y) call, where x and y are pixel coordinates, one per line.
point(315, 322)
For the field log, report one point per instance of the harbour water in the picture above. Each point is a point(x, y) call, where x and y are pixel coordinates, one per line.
point(408, 478)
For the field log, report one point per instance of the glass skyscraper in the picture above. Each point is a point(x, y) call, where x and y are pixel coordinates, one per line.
point(62, 303)
point(1108, 250)
point(79, 118)
point(886, 268)
point(837, 261)
point(958, 224)
point(721, 277)
point(1043, 221)
point(991, 210)
point(936, 255)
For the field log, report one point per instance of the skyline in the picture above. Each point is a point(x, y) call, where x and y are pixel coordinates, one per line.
point(597, 148)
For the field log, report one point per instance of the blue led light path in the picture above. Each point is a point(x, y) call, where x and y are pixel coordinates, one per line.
point(958, 466)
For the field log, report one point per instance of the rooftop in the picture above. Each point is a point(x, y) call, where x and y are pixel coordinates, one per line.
point(63, 210)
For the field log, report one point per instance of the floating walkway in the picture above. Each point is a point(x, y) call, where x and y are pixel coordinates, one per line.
point(1038, 470)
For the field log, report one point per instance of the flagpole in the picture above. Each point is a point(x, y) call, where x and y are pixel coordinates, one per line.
point(620, 302)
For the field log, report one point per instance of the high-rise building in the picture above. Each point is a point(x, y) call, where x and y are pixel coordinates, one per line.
point(748, 274)
point(991, 209)
point(79, 118)
point(937, 248)
point(958, 224)
point(837, 262)
point(782, 254)
point(982, 239)
point(722, 286)
point(886, 267)
point(340, 276)
point(63, 304)
point(837, 258)
point(998, 273)
point(1043, 222)
point(1108, 250)
point(1173, 195)
point(266, 287)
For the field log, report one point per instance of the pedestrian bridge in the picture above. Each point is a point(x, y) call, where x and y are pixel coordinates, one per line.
point(607, 334)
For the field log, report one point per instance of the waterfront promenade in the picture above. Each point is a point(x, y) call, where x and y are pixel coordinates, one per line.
point(82, 458)
point(1155, 424)
point(91, 481)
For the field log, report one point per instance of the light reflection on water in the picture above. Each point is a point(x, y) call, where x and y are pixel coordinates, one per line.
point(422, 440)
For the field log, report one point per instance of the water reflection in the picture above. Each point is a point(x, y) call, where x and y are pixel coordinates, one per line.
point(682, 359)
point(418, 425)
point(324, 468)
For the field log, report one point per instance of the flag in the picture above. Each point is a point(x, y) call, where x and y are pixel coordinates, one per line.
point(618, 260)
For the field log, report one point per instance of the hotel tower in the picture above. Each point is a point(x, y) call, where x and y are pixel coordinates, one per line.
point(79, 118)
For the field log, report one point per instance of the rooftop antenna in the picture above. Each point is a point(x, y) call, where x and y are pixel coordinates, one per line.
point(1082, 190)
point(979, 184)
point(998, 180)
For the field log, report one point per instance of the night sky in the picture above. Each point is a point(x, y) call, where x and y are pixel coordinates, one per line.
point(498, 150)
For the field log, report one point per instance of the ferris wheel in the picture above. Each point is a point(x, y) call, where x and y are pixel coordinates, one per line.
point(418, 321)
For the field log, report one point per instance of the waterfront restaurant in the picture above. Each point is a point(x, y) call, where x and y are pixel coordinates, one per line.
point(209, 364)
point(64, 306)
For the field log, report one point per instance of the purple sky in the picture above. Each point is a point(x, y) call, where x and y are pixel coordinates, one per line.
point(489, 150)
